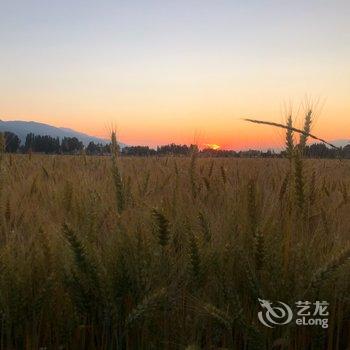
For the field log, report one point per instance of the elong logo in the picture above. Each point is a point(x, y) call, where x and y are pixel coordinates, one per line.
point(274, 315)
point(282, 314)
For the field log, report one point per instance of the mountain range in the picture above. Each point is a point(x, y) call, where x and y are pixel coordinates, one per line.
point(22, 128)
point(340, 143)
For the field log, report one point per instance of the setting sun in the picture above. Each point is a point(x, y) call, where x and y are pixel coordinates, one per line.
point(212, 146)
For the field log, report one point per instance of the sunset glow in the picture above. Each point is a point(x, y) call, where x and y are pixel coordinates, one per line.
point(178, 71)
point(212, 146)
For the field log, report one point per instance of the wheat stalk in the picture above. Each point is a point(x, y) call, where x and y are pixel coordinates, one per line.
point(292, 129)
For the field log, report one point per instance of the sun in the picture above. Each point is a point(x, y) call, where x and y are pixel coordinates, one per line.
point(213, 146)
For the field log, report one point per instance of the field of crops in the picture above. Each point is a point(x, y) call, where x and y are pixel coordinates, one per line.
point(171, 252)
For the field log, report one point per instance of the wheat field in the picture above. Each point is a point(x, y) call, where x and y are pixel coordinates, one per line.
point(170, 253)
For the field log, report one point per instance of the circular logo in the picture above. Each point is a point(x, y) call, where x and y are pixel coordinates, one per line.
point(274, 315)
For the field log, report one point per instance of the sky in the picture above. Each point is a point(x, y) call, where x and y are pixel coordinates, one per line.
point(177, 71)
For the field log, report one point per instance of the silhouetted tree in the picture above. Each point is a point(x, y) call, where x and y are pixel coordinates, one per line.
point(97, 148)
point(71, 145)
point(12, 142)
point(138, 151)
point(39, 143)
point(176, 149)
point(29, 143)
point(320, 150)
point(346, 151)
point(92, 148)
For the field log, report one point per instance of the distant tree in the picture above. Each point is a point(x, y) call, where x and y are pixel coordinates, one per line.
point(138, 151)
point(12, 142)
point(316, 150)
point(71, 145)
point(39, 143)
point(92, 148)
point(2, 143)
point(97, 148)
point(320, 150)
point(175, 149)
point(252, 153)
point(346, 151)
point(106, 149)
point(29, 143)
point(193, 148)
point(50, 144)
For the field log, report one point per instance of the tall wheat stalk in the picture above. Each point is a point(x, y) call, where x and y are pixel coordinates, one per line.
point(117, 177)
point(302, 132)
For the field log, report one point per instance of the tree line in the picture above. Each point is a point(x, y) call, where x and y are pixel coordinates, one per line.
point(317, 150)
point(11, 143)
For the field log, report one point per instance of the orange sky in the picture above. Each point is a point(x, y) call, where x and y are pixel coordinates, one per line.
point(197, 115)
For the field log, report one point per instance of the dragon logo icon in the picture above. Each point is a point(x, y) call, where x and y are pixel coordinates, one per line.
point(274, 315)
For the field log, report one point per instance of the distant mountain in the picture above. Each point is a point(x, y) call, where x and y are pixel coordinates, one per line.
point(340, 143)
point(22, 128)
